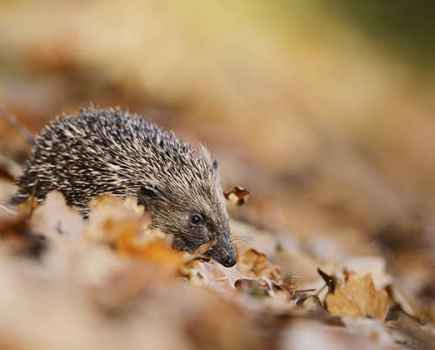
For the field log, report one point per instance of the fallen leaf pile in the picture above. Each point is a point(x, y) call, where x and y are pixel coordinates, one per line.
point(113, 282)
point(311, 108)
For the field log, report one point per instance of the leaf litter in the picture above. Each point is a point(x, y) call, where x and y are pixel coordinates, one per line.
point(114, 268)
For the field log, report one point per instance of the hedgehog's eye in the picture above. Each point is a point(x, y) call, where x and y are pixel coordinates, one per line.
point(196, 219)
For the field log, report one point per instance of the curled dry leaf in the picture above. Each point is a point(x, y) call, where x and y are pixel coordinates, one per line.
point(111, 217)
point(123, 225)
point(358, 297)
point(254, 264)
point(254, 275)
point(238, 195)
point(156, 251)
point(260, 278)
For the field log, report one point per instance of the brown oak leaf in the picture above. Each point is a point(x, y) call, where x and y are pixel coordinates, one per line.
point(358, 297)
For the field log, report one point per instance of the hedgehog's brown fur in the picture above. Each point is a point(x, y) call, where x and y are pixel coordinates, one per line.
point(111, 151)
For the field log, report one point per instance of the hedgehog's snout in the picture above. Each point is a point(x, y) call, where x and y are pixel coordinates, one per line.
point(227, 259)
point(223, 252)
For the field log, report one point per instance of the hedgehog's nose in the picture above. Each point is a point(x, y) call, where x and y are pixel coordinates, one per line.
point(229, 260)
point(224, 252)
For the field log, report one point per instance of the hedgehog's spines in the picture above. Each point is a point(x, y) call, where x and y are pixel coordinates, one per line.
point(118, 148)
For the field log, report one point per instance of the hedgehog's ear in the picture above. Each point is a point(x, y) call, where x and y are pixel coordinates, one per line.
point(214, 169)
point(215, 165)
point(146, 195)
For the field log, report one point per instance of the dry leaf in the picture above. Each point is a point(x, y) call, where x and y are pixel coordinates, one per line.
point(238, 195)
point(122, 224)
point(211, 275)
point(358, 297)
point(111, 217)
point(375, 265)
point(157, 251)
point(252, 263)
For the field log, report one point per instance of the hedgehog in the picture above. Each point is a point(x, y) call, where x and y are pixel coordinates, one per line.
point(100, 151)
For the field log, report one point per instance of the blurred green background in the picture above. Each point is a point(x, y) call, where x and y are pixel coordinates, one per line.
point(324, 110)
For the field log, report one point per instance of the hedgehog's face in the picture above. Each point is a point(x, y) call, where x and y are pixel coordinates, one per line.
point(195, 216)
point(194, 224)
point(202, 224)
